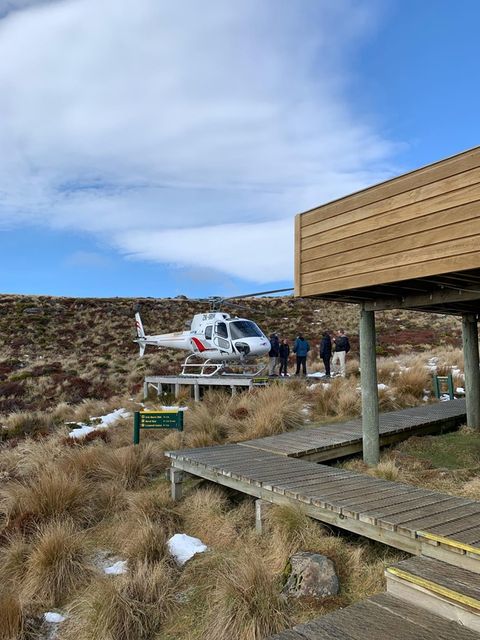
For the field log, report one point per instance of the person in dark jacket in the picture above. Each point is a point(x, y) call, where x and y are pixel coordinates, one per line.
point(301, 349)
point(342, 347)
point(273, 354)
point(284, 351)
point(326, 352)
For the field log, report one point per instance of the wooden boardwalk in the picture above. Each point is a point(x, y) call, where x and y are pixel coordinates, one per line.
point(434, 596)
point(406, 517)
point(336, 440)
point(379, 618)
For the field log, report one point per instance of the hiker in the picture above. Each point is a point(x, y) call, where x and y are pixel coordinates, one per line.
point(273, 354)
point(326, 352)
point(284, 353)
point(301, 348)
point(342, 347)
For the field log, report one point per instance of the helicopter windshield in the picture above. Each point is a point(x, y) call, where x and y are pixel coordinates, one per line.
point(244, 329)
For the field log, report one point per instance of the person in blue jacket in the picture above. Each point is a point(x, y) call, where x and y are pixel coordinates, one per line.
point(301, 349)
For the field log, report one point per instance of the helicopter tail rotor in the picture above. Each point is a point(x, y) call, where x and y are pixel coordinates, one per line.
point(141, 338)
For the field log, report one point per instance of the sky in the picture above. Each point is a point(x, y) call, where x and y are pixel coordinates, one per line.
point(157, 148)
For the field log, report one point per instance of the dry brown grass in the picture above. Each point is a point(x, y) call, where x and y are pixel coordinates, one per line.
point(275, 409)
point(207, 515)
point(133, 466)
point(134, 605)
point(155, 504)
point(246, 601)
point(57, 566)
point(413, 383)
point(340, 400)
point(50, 495)
point(11, 617)
point(145, 542)
point(13, 558)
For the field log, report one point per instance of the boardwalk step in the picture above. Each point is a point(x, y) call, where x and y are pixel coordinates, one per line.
point(439, 587)
point(379, 618)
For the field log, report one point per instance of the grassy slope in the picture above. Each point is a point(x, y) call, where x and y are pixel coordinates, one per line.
point(67, 349)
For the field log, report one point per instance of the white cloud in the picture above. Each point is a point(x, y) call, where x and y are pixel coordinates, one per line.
point(187, 133)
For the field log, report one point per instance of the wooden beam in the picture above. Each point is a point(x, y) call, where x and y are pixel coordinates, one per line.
point(439, 296)
point(472, 374)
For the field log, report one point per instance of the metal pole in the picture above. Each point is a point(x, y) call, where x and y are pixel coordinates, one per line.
point(471, 369)
point(368, 376)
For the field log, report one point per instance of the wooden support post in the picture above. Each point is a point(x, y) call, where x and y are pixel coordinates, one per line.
point(234, 390)
point(368, 376)
point(145, 390)
point(261, 509)
point(471, 368)
point(196, 392)
point(177, 390)
point(176, 479)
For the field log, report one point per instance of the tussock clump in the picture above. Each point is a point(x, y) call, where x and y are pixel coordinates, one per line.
point(134, 605)
point(206, 515)
point(155, 504)
point(146, 542)
point(12, 623)
point(340, 400)
point(13, 557)
point(205, 422)
point(133, 466)
point(413, 382)
point(246, 601)
point(52, 494)
point(57, 566)
point(388, 470)
point(29, 423)
point(387, 401)
point(275, 409)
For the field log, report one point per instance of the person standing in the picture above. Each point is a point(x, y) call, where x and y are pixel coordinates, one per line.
point(342, 347)
point(284, 351)
point(301, 349)
point(326, 352)
point(273, 354)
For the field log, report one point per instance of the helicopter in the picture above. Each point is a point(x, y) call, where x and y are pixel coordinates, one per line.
point(214, 338)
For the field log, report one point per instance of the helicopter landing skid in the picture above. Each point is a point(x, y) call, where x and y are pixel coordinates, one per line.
point(205, 369)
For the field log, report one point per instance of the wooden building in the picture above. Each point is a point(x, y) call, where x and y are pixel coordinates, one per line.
point(411, 242)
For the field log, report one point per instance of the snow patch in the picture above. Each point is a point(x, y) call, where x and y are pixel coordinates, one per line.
point(116, 569)
point(317, 374)
point(382, 386)
point(53, 617)
point(460, 390)
point(183, 547)
point(173, 408)
point(101, 422)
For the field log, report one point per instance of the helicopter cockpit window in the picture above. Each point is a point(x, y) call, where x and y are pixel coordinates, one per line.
point(244, 329)
point(208, 332)
point(221, 330)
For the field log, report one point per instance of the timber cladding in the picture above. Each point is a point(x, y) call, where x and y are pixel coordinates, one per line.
point(421, 224)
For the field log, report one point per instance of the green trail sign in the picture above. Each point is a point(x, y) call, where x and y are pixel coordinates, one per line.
point(164, 419)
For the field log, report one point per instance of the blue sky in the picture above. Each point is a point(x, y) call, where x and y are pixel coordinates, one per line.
point(152, 148)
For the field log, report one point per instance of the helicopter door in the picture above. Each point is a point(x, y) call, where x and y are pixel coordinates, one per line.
point(221, 337)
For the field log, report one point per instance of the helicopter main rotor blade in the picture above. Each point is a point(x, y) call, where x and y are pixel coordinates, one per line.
point(257, 293)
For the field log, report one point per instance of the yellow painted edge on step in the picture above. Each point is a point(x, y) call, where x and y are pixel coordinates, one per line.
point(435, 588)
point(448, 541)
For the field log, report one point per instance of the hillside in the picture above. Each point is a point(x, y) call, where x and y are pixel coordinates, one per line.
point(68, 349)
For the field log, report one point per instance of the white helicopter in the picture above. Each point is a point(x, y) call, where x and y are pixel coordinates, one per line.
point(215, 338)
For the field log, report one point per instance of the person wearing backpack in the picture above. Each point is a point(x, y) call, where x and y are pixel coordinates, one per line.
point(342, 347)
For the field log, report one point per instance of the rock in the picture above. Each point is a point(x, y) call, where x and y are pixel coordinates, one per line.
point(312, 576)
point(33, 311)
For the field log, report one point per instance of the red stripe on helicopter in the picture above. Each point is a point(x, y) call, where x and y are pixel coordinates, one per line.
point(199, 345)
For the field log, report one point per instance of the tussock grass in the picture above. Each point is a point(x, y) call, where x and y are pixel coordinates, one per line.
point(13, 557)
point(52, 494)
point(246, 601)
point(413, 382)
point(57, 566)
point(275, 409)
point(134, 605)
point(206, 515)
point(133, 466)
point(11, 617)
point(146, 542)
point(155, 504)
point(340, 400)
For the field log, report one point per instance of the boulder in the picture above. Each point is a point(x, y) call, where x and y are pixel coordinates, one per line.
point(312, 576)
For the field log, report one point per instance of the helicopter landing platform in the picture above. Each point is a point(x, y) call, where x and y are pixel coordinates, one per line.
point(197, 385)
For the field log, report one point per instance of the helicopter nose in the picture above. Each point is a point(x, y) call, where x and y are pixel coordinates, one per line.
point(242, 347)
